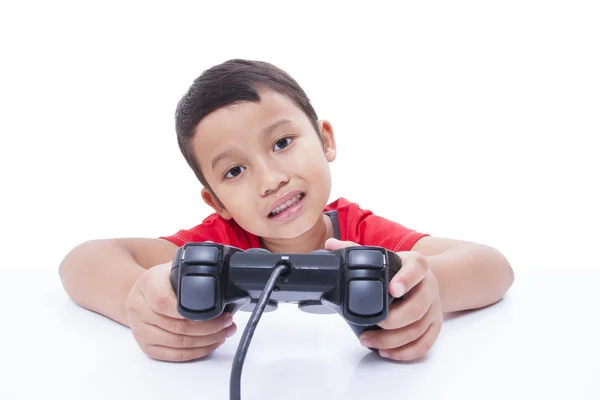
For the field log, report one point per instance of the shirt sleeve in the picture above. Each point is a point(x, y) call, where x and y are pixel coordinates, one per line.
point(184, 236)
point(214, 229)
point(368, 229)
point(211, 229)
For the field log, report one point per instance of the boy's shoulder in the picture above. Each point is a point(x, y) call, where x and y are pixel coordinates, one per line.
point(362, 226)
point(216, 229)
point(354, 224)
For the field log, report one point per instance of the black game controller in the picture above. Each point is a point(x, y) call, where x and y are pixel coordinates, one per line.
point(210, 278)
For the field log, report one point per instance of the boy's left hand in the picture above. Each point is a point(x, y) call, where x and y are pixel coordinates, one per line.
point(414, 323)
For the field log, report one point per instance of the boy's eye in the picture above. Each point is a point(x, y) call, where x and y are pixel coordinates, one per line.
point(235, 171)
point(282, 143)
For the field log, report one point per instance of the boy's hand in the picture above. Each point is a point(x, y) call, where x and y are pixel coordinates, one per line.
point(161, 332)
point(414, 323)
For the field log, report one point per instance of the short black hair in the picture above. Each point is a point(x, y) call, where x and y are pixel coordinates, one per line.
point(231, 82)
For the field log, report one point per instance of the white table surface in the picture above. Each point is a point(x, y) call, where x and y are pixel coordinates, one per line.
point(541, 341)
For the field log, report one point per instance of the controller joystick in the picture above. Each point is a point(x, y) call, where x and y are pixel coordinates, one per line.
point(320, 251)
point(257, 250)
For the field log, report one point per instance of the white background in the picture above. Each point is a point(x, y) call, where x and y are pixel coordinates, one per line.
point(466, 119)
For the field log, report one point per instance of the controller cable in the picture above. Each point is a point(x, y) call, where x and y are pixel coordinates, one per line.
point(240, 354)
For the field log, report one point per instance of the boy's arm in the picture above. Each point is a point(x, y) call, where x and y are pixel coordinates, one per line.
point(470, 275)
point(438, 276)
point(99, 274)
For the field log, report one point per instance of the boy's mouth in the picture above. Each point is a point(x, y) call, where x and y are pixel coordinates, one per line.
point(287, 204)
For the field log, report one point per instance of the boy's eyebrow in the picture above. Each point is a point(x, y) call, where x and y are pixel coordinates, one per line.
point(225, 154)
point(275, 125)
point(265, 132)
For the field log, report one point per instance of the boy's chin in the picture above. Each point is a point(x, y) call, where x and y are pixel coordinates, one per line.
point(292, 230)
point(284, 234)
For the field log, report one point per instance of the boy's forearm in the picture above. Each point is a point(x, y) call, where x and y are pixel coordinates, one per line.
point(98, 275)
point(470, 276)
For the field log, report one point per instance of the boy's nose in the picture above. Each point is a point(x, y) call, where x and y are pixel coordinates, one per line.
point(272, 180)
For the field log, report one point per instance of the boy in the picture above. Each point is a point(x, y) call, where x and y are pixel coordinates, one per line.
point(251, 136)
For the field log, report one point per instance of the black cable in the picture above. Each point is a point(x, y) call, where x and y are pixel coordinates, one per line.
point(240, 354)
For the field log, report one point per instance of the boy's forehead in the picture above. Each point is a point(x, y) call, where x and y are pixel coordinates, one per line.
point(245, 121)
point(248, 118)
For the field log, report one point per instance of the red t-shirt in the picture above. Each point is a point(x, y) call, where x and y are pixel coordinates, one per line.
point(355, 224)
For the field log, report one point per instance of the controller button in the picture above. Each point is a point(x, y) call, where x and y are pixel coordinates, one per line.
point(198, 293)
point(371, 259)
point(365, 297)
point(201, 255)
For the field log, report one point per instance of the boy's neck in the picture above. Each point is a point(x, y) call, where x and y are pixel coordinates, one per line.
point(314, 239)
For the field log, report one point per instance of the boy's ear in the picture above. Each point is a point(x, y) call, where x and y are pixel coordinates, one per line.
point(212, 200)
point(326, 131)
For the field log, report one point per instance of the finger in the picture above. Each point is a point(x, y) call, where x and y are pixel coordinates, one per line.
point(185, 326)
point(334, 244)
point(394, 338)
point(416, 348)
point(154, 335)
point(164, 353)
point(138, 309)
point(159, 295)
point(414, 269)
point(391, 338)
point(413, 307)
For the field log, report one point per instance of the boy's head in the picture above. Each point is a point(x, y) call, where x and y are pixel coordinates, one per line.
point(251, 136)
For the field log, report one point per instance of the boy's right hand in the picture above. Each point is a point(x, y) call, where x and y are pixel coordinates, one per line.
point(161, 332)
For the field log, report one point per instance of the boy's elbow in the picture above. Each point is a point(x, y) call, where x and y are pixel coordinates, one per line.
point(67, 269)
point(66, 265)
point(505, 274)
point(509, 277)
point(75, 266)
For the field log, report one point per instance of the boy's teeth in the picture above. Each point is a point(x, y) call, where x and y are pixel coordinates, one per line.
point(286, 205)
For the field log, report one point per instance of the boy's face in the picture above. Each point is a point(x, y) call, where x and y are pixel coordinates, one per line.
point(253, 155)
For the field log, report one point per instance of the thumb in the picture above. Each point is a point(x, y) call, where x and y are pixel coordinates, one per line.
point(334, 244)
point(156, 289)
